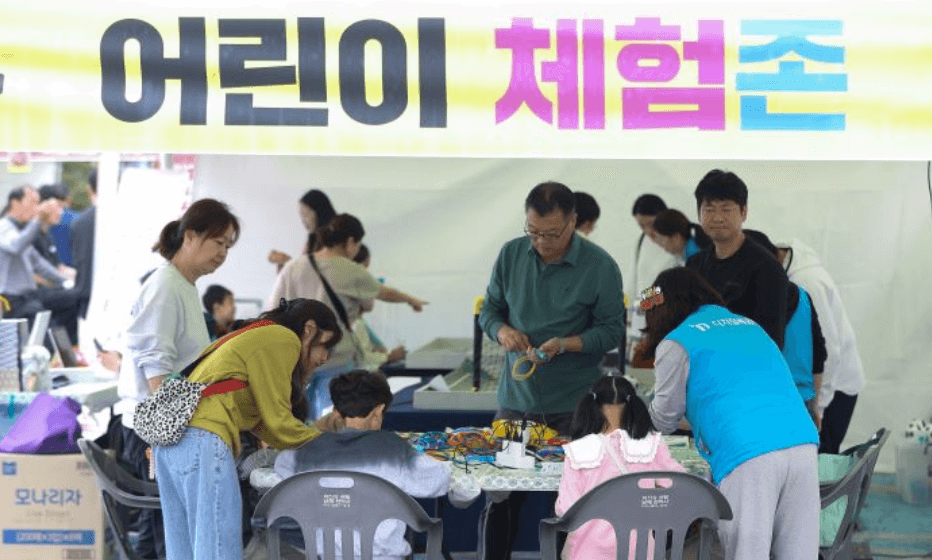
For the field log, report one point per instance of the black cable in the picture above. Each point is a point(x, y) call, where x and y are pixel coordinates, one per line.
point(929, 179)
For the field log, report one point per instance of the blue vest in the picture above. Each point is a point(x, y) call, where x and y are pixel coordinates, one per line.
point(740, 397)
point(797, 346)
point(691, 248)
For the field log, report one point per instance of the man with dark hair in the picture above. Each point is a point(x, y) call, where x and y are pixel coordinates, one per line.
point(550, 291)
point(219, 311)
point(20, 262)
point(360, 398)
point(748, 277)
point(587, 213)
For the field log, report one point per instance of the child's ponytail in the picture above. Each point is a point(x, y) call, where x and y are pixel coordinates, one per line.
point(636, 419)
point(589, 419)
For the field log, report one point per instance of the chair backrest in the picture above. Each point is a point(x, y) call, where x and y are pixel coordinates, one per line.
point(349, 501)
point(853, 486)
point(117, 486)
point(633, 502)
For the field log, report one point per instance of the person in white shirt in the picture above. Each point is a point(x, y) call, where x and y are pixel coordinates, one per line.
point(844, 378)
point(650, 259)
point(354, 288)
point(167, 330)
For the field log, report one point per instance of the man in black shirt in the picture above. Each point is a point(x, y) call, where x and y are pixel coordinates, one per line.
point(749, 278)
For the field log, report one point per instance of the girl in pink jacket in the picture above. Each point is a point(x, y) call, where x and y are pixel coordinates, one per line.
point(612, 435)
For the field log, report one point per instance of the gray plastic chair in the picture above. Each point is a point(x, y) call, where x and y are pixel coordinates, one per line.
point(854, 485)
point(117, 485)
point(345, 500)
point(624, 504)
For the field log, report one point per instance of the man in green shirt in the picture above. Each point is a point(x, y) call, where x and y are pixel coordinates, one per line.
point(554, 291)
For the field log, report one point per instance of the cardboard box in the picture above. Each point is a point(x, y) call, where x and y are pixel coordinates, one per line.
point(50, 508)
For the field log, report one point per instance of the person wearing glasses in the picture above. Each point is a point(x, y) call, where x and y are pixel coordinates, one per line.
point(556, 300)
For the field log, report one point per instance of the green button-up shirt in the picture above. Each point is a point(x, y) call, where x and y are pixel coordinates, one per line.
point(581, 294)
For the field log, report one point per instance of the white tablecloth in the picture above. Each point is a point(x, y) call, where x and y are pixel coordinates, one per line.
point(468, 482)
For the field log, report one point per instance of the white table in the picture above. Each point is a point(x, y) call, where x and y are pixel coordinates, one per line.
point(466, 484)
point(92, 387)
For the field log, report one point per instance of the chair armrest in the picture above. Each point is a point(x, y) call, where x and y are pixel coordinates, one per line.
point(133, 484)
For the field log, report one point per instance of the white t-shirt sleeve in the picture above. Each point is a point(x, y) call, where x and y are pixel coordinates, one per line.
point(152, 335)
point(285, 463)
point(671, 369)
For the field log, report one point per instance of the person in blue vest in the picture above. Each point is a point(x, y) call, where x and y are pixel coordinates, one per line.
point(803, 344)
point(728, 378)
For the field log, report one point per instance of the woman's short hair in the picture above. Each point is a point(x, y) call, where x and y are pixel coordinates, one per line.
point(340, 229)
point(357, 393)
point(208, 217)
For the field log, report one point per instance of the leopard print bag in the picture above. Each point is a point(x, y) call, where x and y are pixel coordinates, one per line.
point(161, 419)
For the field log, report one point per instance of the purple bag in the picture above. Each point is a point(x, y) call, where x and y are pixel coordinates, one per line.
point(48, 425)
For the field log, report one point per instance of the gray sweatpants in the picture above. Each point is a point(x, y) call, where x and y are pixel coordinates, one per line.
point(775, 502)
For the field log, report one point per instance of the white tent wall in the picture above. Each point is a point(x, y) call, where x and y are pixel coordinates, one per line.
point(435, 227)
point(39, 173)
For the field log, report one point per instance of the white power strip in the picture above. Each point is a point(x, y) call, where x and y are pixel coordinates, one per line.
point(513, 456)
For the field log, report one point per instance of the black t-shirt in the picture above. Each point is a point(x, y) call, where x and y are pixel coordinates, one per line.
point(752, 283)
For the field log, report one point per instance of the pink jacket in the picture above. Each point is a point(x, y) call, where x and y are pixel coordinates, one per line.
point(589, 462)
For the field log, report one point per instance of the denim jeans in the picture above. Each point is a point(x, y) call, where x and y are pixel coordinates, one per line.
point(200, 495)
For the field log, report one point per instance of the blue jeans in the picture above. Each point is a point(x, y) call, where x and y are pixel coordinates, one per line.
point(318, 391)
point(200, 495)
